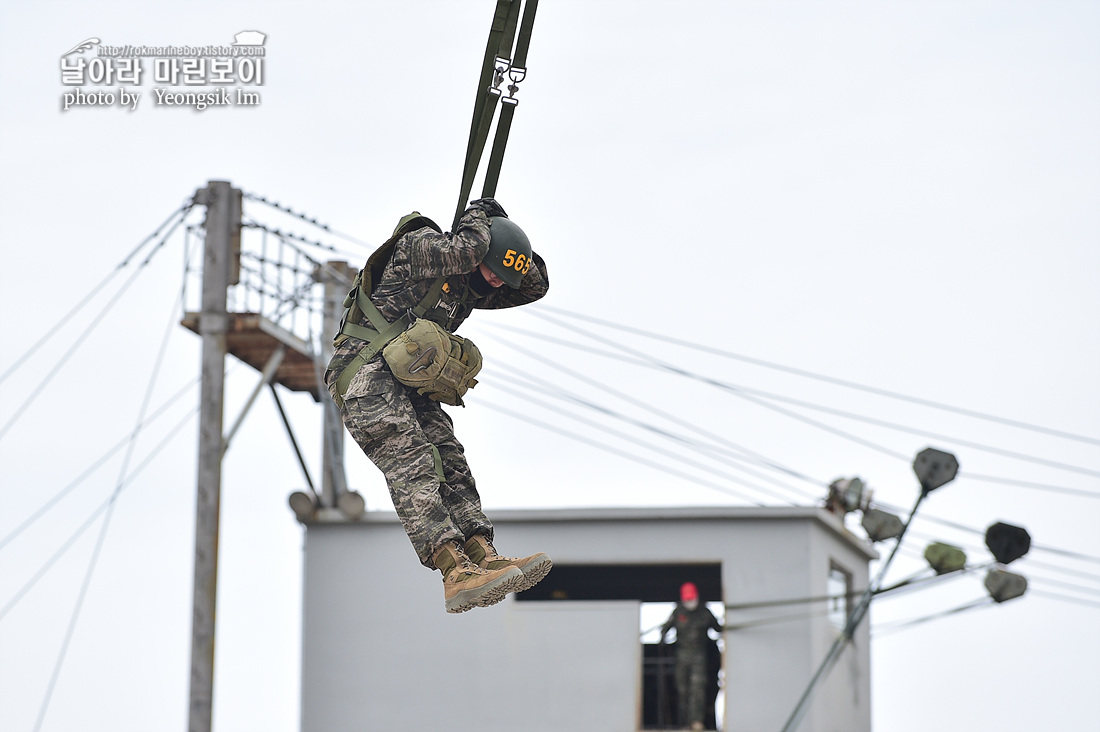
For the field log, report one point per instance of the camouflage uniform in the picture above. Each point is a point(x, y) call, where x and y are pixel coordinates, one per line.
point(403, 432)
point(692, 645)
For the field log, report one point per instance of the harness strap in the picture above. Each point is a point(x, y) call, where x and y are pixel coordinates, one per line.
point(519, 61)
point(496, 157)
point(502, 33)
point(516, 74)
point(504, 47)
point(383, 331)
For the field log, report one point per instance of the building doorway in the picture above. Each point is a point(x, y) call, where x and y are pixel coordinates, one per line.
point(657, 588)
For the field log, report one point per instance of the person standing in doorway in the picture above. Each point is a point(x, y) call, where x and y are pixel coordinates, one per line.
point(693, 623)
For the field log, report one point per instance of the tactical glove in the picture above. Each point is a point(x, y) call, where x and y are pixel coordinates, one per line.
point(489, 206)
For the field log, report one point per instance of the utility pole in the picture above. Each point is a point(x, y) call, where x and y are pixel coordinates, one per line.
point(220, 265)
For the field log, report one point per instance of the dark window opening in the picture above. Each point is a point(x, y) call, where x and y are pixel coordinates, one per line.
point(645, 583)
point(642, 582)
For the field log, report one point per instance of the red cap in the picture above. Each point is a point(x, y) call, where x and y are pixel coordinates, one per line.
point(688, 591)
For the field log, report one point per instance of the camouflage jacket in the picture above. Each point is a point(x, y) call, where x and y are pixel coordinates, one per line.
point(423, 255)
point(691, 629)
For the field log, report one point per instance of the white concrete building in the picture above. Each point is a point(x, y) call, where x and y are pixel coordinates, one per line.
point(380, 653)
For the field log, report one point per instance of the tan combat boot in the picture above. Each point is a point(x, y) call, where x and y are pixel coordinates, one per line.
point(466, 586)
point(534, 568)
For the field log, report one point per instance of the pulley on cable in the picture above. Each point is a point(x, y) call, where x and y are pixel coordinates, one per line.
point(505, 56)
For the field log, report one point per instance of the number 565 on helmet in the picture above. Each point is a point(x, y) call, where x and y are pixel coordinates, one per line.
point(509, 256)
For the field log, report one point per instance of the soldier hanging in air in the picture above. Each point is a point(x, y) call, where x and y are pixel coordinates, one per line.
point(397, 358)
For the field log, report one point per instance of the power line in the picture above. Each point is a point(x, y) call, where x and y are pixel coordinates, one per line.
point(565, 395)
point(981, 532)
point(1032, 576)
point(645, 360)
point(924, 433)
point(855, 617)
point(528, 353)
point(887, 629)
point(737, 392)
point(105, 526)
point(45, 507)
point(89, 330)
point(654, 448)
point(49, 504)
point(82, 302)
point(605, 389)
point(620, 453)
point(673, 456)
point(1031, 564)
point(1089, 494)
point(821, 377)
point(884, 593)
point(76, 612)
point(707, 450)
point(749, 393)
point(775, 619)
point(1029, 484)
point(67, 544)
point(710, 434)
point(1064, 598)
point(1066, 553)
point(1064, 570)
point(914, 582)
point(1067, 585)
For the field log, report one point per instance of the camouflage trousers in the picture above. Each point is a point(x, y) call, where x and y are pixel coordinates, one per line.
point(411, 440)
point(691, 685)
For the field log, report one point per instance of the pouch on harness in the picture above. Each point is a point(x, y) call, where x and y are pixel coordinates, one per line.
point(418, 351)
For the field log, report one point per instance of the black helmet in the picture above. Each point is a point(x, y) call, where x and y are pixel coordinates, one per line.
point(509, 255)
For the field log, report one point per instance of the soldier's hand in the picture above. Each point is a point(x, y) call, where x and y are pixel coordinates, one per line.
point(489, 206)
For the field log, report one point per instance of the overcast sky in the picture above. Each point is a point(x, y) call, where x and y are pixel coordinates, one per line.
point(902, 196)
